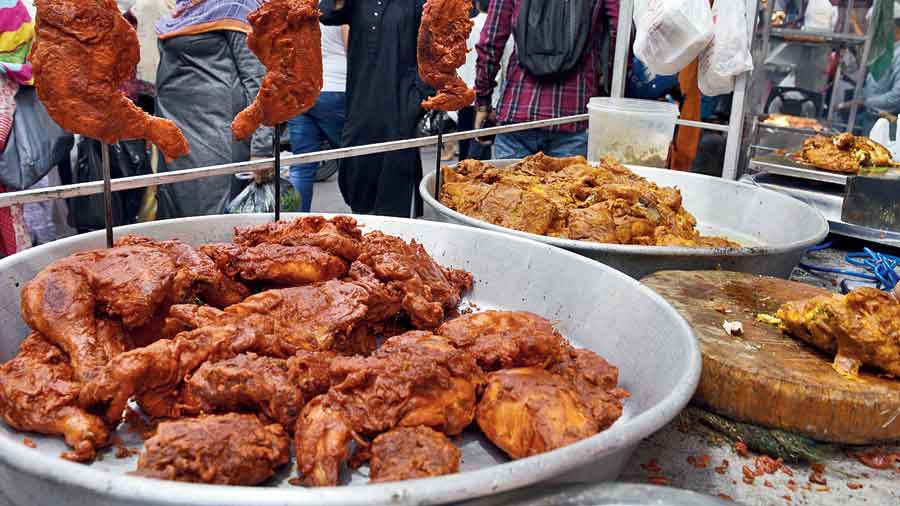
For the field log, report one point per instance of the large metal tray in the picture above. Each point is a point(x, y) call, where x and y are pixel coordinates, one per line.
point(785, 167)
point(774, 229)
point(594, 305)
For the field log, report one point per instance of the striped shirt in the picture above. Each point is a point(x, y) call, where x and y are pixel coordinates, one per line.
point(524, 97)
point(191, 17)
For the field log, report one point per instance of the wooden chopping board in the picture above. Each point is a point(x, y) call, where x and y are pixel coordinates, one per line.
point(770, 379)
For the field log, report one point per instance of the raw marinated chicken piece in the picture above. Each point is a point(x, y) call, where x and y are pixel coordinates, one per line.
point(39, 393)
point(595, 382)
point(274, 387)
point(287, 40)
point(159, 368)
point(284, 265)
point(84, 303)
point(505, 339)
point(442, 49)
point(231, 449)
point(860, 328)
point(83, 51)
point(339, 236)
point(416, 379)
point(528, 411)
point(404, 278)
point(408, 453)
point(327, 316)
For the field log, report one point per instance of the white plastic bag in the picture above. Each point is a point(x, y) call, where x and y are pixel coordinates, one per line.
point(820, 15)
point(671, 33)
point(728, 56)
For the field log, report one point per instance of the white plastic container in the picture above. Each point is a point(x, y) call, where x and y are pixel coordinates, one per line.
point(636, 132)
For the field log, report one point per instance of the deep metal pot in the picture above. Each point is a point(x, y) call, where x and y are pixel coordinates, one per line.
point(595, 306)
point(774, 228)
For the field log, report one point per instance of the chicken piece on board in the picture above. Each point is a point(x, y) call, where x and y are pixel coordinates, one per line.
point(327, 316)
point(83, 51)
point(443, 34)
point(528, 411)
point(339, 236)
point(413, 282)
point(408, 453)
point(860, 328)
point(287, 40)
point(275, 263)
point(230, 449)
point(39, 393)
point(274, 387)
point(416, 379)
point(504, 339)
point(160, 367)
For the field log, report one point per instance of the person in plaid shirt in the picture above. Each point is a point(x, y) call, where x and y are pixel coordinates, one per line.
point(525, 98)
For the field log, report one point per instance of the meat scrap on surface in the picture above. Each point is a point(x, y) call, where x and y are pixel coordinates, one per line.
point(83, 51)
point(286, 38)
point(416, 379)
point(39, 393)
point(408, 453)
point(231, 449)
point(443, 34)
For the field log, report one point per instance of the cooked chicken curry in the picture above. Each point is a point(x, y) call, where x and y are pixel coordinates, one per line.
point(572, 199)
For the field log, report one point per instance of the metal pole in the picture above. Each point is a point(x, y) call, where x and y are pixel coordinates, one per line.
point(623, 46)
point(276, 152)
point(107, 193)
point(860, 79)
point(736, 120)
point(438, 175)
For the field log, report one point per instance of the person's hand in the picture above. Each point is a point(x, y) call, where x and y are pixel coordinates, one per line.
point(778, 18)
point(481, 116)
point(847, 105)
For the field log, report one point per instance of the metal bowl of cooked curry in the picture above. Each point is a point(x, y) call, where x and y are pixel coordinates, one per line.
point(636, 219)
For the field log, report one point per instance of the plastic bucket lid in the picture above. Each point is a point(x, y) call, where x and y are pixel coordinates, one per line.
point(633, 105)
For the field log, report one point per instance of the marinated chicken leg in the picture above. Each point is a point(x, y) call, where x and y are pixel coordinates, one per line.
point(339, 236)
point(231, 449)
point(416, 379)
point(274, 387)
point(83, 51)
point(39, 393)
point(287, 40)
point(285, 265)
point(161, 366)
point(408, 453)
point(528, 411)
point(505, 339)
point(442, 49)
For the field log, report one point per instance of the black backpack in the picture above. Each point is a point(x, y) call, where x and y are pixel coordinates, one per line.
point(551, 35)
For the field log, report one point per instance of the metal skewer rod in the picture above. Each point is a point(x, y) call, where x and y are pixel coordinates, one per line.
point(438, 176)
point(177, 176)
point(276, 148)
point(107, 193)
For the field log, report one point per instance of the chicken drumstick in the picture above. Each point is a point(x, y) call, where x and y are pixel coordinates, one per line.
point(83, 51)
point(287, 40)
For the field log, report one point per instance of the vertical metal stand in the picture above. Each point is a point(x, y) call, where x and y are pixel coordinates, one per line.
point(107, 193)
point(438, 175)
point(276, 148)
